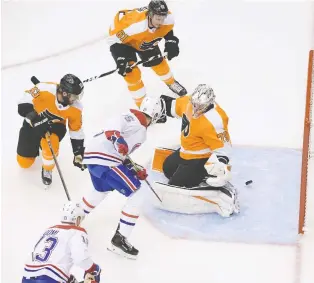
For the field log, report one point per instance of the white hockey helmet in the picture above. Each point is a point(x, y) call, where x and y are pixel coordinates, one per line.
point(154, 107)
point(201, 99)
point(71, 211)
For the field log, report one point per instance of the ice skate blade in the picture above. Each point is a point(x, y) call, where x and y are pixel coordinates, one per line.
point(47, 187)
point(117, 251)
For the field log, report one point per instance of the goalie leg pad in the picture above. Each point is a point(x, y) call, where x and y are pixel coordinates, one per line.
point(159, 157)
point(197, 200)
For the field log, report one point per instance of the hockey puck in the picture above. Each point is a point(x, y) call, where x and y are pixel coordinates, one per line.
point(248, 182)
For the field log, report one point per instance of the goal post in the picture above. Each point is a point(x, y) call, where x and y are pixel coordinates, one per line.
point(307, 186)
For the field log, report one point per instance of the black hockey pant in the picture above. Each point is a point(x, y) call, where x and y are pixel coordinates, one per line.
point(182, 172)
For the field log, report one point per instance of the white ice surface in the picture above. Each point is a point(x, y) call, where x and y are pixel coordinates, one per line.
point(27, 209)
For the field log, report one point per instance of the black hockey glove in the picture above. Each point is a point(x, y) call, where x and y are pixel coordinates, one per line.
point(172, 47)
point(78, 151)
point(123, 66)
point(168, 104)
point(72, 279)
point(40, 123)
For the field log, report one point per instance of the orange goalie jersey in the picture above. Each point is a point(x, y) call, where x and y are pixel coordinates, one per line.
point(203, 135)
point(43, 97)
point(130, 27)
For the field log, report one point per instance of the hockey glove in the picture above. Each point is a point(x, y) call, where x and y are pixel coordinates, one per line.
point(78, 159)
point(38, 122)
point(93, 274)
point(78, 151)
point(72, 279)
point(141, 174)
point(172, 47)
point(118, 141)
point(136, 169)
point(41, 122)
point(123, 66)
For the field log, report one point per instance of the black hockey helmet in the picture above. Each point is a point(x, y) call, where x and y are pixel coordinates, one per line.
point(73, 86)
point(157, 7)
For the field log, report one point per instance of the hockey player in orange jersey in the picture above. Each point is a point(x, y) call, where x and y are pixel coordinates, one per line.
point(46, 108)
point(204, 133)
point(138, 32)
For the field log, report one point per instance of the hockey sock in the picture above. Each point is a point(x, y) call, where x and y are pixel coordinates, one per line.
point(130, 214)
point(163, 71)
point(92, 199)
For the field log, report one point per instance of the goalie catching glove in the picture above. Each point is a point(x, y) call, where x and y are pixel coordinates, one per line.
point(219, 174)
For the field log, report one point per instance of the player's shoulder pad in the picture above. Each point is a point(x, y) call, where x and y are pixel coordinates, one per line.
point(47, 86)
point(213, 117)
point(169, 19)
point(69, 227)
point(184, 99)
point(140, 117)
point(135, 22)
point(78, 105)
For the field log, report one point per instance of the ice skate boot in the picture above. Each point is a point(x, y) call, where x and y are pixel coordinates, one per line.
point(46, 176)
point(177, 88)
point(121, 246)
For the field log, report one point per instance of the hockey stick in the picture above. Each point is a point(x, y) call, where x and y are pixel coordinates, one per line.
point(137, 170)
point(132, 66)
point(47, 136)
point(57, 165)
point(36, 81)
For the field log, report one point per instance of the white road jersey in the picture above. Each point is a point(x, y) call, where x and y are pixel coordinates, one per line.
point(58, 249)
point(101, 151)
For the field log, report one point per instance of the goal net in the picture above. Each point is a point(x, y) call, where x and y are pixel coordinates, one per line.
point(306, 216)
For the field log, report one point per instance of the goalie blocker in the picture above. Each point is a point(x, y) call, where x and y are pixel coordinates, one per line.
point(203, 198)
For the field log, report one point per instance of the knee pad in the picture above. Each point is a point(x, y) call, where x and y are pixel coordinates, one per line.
point(25, 162)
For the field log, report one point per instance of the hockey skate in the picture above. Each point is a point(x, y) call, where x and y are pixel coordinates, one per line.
point(120, 246)
point(177, 88)
point(46, 176)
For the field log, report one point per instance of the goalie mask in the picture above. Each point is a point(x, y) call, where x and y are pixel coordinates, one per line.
point(154, 108)
point(71, 212)
point(202, 99)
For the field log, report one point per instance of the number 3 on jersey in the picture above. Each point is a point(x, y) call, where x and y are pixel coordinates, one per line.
point(50, 244)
